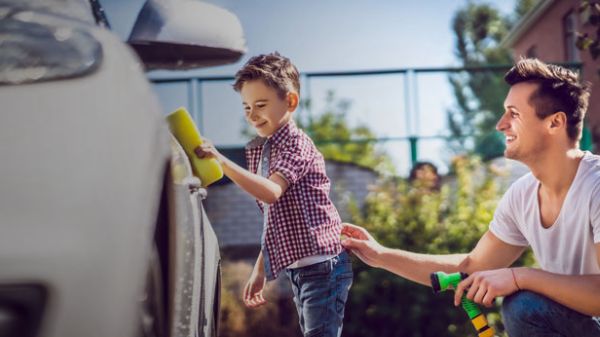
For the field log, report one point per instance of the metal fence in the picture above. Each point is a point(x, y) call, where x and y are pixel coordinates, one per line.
point(408, 81)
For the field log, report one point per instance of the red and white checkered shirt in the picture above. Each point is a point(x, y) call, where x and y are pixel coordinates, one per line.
point(303, 222)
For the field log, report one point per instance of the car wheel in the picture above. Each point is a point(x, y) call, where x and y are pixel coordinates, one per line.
point(152, 308)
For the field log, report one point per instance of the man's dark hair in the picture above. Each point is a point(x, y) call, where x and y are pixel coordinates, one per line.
point(275, 70)
point(559, 90)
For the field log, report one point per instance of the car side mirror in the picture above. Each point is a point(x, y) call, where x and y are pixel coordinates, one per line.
point(186, 34)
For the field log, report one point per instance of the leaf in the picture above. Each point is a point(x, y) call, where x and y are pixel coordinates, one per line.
point(584, 5)
point(583, 42)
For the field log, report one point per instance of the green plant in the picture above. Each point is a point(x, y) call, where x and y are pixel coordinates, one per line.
point(449, 221)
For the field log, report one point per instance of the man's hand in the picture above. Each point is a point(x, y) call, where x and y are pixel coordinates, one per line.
point(482, 287)
point(253, 291)
point(207, 150)
point(362, 244)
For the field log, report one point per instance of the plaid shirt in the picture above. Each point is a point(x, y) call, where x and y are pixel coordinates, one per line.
point(304, 221)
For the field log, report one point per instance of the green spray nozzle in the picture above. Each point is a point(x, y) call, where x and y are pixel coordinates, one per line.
point(441, 281)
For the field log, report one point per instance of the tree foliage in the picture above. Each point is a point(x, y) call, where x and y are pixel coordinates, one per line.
point(590, 14)
point(337, 141)
point(478, 31)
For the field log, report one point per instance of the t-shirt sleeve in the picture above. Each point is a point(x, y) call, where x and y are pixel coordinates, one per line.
point(504, 224)
point(293, 161)
point(595, 213)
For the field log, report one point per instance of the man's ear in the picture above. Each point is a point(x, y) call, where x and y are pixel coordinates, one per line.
point(293, 100)
point(557, 122)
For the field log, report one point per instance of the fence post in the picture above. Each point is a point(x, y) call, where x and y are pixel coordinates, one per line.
point(586, 138)
point(414, 155)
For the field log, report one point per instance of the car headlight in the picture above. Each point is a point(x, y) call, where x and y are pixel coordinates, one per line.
point(41, 47)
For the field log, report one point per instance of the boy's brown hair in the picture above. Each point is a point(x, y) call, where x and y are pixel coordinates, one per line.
point(559, 90)
point(275, 70)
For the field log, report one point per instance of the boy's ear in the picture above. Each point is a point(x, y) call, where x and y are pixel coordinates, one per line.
point(293, 100)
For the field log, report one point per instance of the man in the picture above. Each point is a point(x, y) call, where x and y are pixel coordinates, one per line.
point(555, 209)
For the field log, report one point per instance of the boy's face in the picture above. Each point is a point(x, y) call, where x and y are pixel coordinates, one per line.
point(264, 109)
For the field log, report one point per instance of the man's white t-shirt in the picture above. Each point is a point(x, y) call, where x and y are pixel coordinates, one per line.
point(566, 247)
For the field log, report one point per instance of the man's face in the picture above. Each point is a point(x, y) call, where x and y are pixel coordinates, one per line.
point(524, 131)
point(264, 109)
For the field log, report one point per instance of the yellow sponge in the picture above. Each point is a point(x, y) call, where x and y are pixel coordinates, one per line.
point(185, 131)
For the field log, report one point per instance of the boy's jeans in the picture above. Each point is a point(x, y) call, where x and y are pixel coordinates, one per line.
point(320, 294)
point(526, 313)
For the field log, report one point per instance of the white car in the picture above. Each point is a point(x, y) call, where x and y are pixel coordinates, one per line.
point(102, 229)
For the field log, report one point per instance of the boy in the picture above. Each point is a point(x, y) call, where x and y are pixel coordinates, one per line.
point(287, 177)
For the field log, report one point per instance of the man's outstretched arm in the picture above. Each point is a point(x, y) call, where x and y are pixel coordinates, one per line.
point(490, 253)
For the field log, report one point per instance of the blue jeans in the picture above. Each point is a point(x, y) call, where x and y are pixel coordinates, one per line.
point(526, 313)
point(320, 294)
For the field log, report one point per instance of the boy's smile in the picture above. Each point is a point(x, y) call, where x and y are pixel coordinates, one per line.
point(264, 109)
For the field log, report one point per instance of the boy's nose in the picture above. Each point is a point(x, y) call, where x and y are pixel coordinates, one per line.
point(251, 115)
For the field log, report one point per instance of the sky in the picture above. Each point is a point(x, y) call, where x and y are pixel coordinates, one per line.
point(337, 35)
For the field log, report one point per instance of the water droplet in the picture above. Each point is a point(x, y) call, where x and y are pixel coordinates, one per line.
point(63, 34)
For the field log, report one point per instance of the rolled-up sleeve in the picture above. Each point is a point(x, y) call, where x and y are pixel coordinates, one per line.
point(293, 160)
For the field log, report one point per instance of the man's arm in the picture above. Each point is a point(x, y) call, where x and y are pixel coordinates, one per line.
point(578, 292)
point(267, 190)
point(490, 253)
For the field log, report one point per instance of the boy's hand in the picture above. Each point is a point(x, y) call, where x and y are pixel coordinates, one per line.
point(362, 244)
point(207, 150)
point(253, 291)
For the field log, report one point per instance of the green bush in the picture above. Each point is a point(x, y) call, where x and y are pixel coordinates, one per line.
point(400, 216)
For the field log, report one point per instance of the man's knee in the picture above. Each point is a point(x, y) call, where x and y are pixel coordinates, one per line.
point(523, 312)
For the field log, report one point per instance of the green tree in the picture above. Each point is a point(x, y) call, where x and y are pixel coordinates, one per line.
point(522, 7)
point(478, 31)
point(449, 221)
point(338, 141)
point(590, 14)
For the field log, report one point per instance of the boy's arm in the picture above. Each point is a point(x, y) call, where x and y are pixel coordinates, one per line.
point(267, 190)
point(253, 291)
